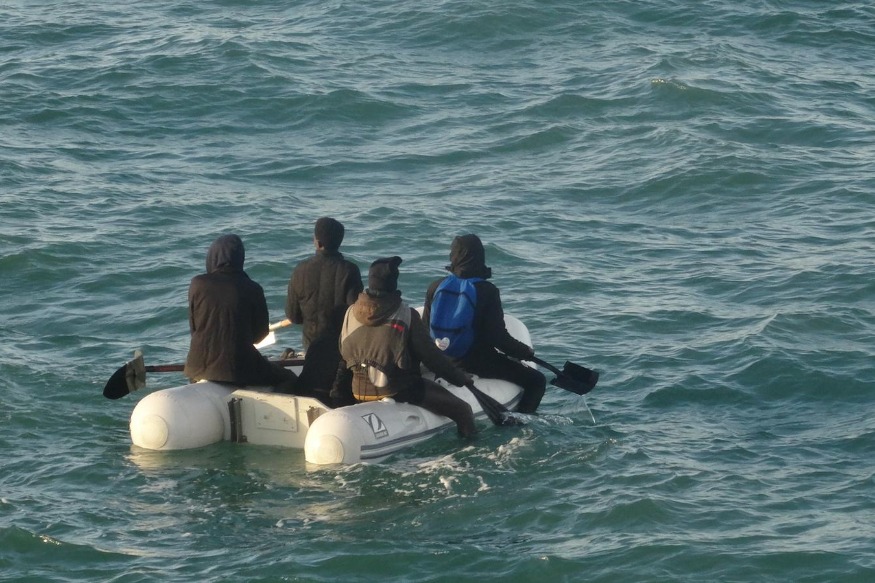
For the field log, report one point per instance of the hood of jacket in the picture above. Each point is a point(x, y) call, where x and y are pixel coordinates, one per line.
point(468, 258)
point(373, 310)
point(226, 254)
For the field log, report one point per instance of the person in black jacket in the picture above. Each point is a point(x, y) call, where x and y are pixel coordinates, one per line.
point(320, 289)
point(494, 352)
point(227, 315)
point(322, 286)
point(383, 341)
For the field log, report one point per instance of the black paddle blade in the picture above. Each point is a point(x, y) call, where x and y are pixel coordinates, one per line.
point(497, 413)
point(127, 379)
point(116, 387)
point(575, 378)
point(508, 420)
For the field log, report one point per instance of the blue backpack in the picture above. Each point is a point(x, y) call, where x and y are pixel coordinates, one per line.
point(452, 315)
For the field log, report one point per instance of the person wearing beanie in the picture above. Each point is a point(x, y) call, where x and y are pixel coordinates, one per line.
point(320, 289)
point(493, 353)
point(227, 315)
point(383, 341)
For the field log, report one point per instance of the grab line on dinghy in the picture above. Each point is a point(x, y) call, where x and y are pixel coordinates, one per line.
point(369, 452)
point(375, 451)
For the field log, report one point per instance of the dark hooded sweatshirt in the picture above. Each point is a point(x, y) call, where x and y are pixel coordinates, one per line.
point(227, 314)
point(468, 259)
point(320, 289)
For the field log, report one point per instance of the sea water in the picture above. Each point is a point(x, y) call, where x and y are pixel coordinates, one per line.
point(678, 194)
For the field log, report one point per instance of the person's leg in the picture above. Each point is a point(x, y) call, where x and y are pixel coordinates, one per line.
point(284, 380)
point(320, 368)
point(440, 401)
point(533, 381)
point(534, 385)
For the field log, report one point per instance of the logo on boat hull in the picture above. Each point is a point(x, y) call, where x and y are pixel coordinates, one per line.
point(376, 425)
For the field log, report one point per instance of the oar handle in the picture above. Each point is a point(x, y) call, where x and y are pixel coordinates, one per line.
point(181, 367)
point(546, 365)
point(280, 324)
point(165, 367)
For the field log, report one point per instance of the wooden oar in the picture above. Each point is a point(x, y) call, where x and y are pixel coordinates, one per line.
point(573, 377)
point(270, 339)
point(132, 375)
point(497, 413)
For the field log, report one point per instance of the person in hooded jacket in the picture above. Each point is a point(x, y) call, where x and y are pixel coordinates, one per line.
point(494, 352)
point(383, 341)
point(320, 290)
point(227, 315)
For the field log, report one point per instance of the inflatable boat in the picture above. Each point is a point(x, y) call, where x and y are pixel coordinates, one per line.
point(203, 413)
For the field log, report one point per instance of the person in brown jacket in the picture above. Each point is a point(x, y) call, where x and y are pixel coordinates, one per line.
point(382, 343)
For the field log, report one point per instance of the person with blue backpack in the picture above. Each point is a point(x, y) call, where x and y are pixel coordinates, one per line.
point(465, 317)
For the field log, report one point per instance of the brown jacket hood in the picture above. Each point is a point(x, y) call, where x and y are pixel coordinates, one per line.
point(373, 310)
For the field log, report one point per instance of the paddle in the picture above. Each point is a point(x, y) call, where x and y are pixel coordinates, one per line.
point(270, 339)
point(132, 375)
point(497, 413)
point(573, 377)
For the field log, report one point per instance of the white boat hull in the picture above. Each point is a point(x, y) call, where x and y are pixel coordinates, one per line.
point(200, 414)
point(374, 430)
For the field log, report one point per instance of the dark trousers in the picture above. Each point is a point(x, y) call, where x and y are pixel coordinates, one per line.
point(282, 379)
point(320, 368)
point(440, 401)
point(499, 366)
